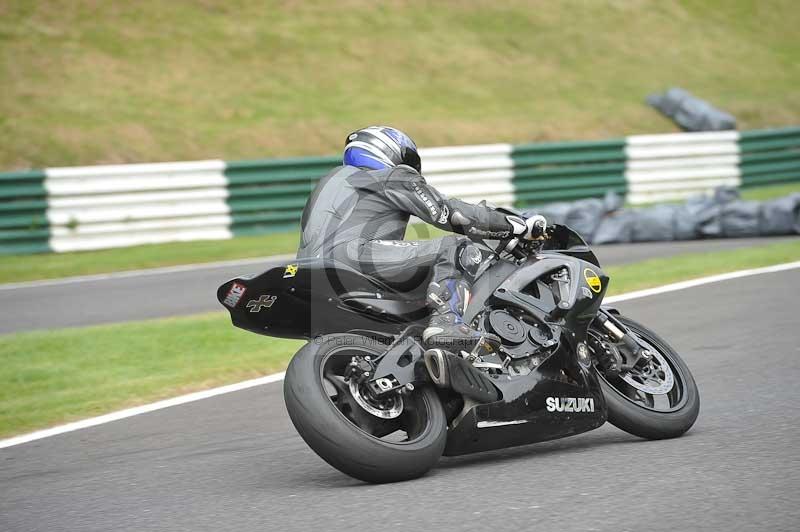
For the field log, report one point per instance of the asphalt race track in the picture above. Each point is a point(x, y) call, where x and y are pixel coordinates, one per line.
point(156, 294)
point(234, 462)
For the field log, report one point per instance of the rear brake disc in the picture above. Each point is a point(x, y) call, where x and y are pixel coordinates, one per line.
point(389, 408)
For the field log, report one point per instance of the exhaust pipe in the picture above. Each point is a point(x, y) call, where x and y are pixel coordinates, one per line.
point(449, 371)
point(436, 364)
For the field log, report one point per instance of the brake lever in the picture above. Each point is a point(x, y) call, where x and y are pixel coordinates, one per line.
point(514, 249)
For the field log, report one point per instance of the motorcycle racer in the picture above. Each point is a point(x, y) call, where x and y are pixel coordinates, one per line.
point(359, 212)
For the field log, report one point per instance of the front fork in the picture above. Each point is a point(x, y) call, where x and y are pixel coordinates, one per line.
point(633, 353)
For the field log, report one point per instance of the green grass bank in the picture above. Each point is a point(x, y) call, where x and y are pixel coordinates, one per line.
point(89, 82)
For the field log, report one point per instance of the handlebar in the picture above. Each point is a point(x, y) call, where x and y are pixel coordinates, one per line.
point(513, 248)
point(541, 225)
point(519, 249)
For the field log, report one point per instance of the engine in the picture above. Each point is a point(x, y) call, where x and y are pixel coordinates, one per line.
point(527, 340)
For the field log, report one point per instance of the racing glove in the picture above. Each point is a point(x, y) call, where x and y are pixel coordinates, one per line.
point(533, 228)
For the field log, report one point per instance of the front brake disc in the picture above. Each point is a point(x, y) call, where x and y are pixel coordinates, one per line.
point(655, 379)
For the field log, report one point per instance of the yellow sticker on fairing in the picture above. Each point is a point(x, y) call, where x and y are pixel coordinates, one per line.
point(592, 280)
point(291, 271)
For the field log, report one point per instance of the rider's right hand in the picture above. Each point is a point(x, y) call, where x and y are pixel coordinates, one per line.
point(533, 228)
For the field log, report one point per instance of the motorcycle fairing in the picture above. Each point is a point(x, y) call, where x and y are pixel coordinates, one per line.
point(314, 297)
point(521, 416)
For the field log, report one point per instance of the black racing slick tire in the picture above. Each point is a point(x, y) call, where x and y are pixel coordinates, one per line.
point(337, 439)
point(645, 422)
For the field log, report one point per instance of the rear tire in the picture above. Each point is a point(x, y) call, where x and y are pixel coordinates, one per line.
point(340, 442)
point(640, 421)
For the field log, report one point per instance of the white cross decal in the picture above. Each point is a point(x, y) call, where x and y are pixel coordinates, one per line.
point(265, 301)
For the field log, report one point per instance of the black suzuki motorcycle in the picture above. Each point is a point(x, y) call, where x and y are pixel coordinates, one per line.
point(369, 399)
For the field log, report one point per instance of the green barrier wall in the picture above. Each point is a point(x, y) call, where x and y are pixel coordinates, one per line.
point(23, 213)
point(269, 195)
point(567, 170)
point(770, 156)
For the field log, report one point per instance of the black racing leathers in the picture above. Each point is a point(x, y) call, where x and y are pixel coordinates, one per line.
point(360, 216)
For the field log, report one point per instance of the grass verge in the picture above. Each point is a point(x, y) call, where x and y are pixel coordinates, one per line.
point(18, 268)
point(62, 375)
point(770, 192)
point(657, 272)
point(59, 376)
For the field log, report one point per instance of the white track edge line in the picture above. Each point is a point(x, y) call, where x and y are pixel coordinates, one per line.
point(276, 377)
point(135, 411)
point(146, 272)
point(682, 285)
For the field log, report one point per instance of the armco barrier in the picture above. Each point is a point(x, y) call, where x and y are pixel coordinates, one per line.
point(98, 207)
point(269, 195)
point(568, 170)
point(670, 167)
point(95, 207)
point(23, 213)
point(770, 156)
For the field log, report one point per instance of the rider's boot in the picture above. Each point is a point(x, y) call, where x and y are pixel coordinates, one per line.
point(446, 328)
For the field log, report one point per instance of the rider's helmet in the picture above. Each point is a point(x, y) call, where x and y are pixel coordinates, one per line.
point(379, 147)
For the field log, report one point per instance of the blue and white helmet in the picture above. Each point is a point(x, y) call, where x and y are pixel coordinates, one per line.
point(379, 147)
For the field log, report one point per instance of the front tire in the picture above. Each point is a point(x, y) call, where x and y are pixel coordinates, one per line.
point(641, 414)
point(334, 433)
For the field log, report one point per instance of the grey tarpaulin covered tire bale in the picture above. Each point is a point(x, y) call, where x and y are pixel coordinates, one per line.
point(554, 213)
point(690, 112)
point(617, 227)
point(655, 224)
point(585, 216)
point(740, 218)
point(781, 216)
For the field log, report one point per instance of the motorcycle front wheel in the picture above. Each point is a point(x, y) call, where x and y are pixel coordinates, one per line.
point(376, 440)
point(656, 401)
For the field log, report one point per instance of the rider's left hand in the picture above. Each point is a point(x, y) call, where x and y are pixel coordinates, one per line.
point(533, 228)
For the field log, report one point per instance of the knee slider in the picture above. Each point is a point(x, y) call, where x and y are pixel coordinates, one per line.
point(469, 259)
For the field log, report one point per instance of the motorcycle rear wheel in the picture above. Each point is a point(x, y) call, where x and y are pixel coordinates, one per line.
point(338, 427)
point(652, 416)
